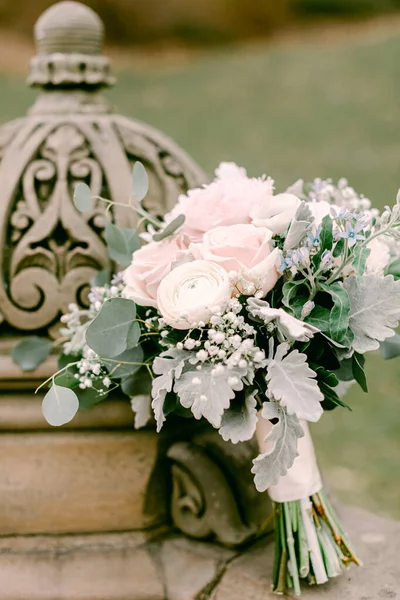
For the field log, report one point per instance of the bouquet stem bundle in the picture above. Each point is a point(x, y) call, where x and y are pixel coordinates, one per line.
point(310, 544)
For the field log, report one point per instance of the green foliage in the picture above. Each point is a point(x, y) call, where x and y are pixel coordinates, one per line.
point(114, 330)
point(31, 352)
point(83, 198)
point(361, 254)
point(394, 269)
point(325, 239)
point(358, 361)
point(121, 243)
point(126, 363)
point(295, 295)
point(91, 396)
point(101, 278)
point(339, 314)
point(138, 383)
point(140, 181)
point(59, 405)
point(169, 229)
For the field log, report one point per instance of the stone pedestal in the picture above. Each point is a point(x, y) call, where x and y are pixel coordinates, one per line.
point(164, 566)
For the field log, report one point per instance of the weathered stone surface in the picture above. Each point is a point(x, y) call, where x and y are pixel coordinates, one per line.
point(23, 411)
point(377, 542)
point(67, 482)
point(189, 567)
point(91, 567)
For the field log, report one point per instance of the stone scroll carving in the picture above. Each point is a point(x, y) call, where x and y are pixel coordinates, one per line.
point(212, 492)
point(48, 250)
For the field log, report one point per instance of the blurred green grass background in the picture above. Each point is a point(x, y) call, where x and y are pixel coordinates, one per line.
point(301, 110)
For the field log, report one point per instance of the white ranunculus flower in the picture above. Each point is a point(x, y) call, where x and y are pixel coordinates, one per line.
point(276, 213)
point(189, 293)
point(378, 259)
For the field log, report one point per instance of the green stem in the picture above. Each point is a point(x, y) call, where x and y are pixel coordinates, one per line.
point(52, 378)
point(292, 551)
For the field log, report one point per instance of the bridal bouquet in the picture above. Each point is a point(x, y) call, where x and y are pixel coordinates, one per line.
point(249, 309)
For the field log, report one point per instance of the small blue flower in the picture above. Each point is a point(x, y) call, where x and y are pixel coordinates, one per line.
point(352, 233)
point(284, 265)
point(327, 258)
point(313, 236)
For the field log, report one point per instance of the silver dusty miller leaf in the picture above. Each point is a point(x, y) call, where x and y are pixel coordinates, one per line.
point(301, 225)
point(273, 464)
point(374, 310)
point(168, 366)
point(208, 393)
point(292, 383)
point(239, 421)
point(141, 406)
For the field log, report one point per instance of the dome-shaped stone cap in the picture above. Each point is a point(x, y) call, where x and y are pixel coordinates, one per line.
point(69, 27)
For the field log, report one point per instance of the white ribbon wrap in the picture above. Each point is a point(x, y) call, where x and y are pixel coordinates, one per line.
point(303, 479)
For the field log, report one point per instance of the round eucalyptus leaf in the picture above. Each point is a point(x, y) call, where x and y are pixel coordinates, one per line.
point(59, 405)
point(107, 334)
point(131, 362)
point(390, 347)
point(121, 243)
point(83, 197)
point(169, 229)
point(101, 278)
point(133, 335)
point(140, 181)
point(31, 352)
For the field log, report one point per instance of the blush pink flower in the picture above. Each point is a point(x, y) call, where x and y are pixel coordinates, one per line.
point(244, 249)
point(150, 264)
point(228, 200)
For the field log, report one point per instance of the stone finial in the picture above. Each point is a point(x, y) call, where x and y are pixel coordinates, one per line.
point(69, 38)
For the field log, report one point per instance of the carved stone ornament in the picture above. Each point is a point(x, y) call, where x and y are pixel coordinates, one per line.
point(48, 250)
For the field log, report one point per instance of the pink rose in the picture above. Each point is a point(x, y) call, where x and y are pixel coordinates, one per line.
point(245, 249)
point(228, 200)
point(150, 264)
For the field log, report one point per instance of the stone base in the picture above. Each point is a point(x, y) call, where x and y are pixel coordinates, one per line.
point(160, 566)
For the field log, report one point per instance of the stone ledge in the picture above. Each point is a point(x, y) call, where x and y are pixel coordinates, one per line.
point(159, 566)
point(76, 482)
point(376, 540)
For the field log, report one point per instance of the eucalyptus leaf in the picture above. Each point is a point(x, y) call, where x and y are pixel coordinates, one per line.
point(83, 199)
point(390, 348)
point(374, 309)
point(239, 422)
point(31, 352)
point(293, 384)
point(130, 362)
point(108, 333)
point(140, 181)
point(59, 405)
point(169, 229)
point(138, 383)
point(121, 243)
point(282, 441)
point(134, 334)
point(101, 278)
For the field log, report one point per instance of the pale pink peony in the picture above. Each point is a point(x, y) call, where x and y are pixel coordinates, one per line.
point(276, 213)
point(150, 264)
point(244, 249)
point(228, 200)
